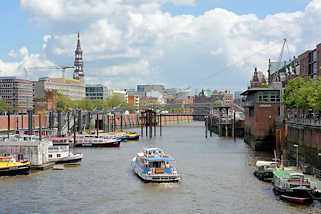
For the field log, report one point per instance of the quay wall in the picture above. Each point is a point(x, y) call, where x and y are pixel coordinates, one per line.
point(35, 152)
point(21, 122)
point(308, 138)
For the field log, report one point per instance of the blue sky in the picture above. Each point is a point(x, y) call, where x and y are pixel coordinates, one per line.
point(259, 7)
point(136, 41)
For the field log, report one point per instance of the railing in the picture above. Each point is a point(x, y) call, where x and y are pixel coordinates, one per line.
point(304, 121)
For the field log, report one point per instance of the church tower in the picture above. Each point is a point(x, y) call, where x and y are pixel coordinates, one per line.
point(79, 65)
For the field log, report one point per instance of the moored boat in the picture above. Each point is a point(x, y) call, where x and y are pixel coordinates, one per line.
point(62, 154)
point(292, 186)
point(130, 135)
point(86, 141)
point(264, 170)
point(96, 142)
point(154, 165)
point(10, 166)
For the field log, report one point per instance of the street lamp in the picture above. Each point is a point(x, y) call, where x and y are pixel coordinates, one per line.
point(297, 155)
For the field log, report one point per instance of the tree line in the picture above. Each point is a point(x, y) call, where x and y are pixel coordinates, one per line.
point(64, 103)
point(303, 94)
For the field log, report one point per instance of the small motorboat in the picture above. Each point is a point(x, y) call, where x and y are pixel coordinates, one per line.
point(264, 170)
point(10, 166)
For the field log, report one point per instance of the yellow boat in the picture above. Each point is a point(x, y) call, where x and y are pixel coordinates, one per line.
point(131, 135)
point(9, 166)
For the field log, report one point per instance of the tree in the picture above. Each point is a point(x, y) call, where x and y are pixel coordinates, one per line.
point(86, 104)
point(115, 101)
point(218, 102)
point(5, 107)
point(63, 102)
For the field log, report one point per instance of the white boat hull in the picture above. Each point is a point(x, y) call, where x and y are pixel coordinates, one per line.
point(154, 178)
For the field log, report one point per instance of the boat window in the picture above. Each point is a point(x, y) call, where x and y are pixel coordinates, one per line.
point(58, 155)
point(50, 156)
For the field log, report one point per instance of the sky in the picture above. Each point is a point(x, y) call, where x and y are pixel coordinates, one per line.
point(212, 44)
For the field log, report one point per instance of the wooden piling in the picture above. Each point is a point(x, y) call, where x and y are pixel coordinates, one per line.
point(8, 125)
point(141, 126)
point(150, 124)
point(233, 125)
point(206, 127)
point(40, 128)
point(155, 122)
point(121, 122)
point(211, 126)
point(74, 127)
point(107, 123)
point(97, 125)
point(160, 125)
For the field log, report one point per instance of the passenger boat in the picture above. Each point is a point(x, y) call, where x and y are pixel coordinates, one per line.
point(264, 170)
point(154, 165)
point(86, 141)
point(61, 140)
point(62, 154)
point(96, 142)
point(292, 186)
point(9, 166)
point(130, 135)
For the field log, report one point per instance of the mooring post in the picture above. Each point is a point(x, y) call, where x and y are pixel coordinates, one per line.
point(155, 122)
point(17, 121)
point(219, 124)
point(141, 126)
point(22, 122)
point(211, 126)
point(121, 121)
point(233, 125)
point(74, 127)
point(29, 122)
point(97, 124)
point(150, 124)
point(146, 122)
point(206, 126)
point(79, 121)
point(114, 126)
point(50, 121)
point(107, 123)
point(8, 125)
point(40, 128)
point(160, 124)
point(59, 123)
point(68, 122)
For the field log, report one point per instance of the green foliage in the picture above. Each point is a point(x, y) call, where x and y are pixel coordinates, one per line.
point(115, 101)
point(63, 102)
point(218, 102)
point(87, 104)
point(304, 94)
point(5, 107)
point(264, 85)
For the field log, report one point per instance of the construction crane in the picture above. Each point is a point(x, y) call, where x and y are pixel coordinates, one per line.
point(282, 52)
point(56, 67)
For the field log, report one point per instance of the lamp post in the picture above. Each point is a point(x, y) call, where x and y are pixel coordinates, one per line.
point(297, 155)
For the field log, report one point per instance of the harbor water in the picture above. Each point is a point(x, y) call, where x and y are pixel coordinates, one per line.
point(217, 177)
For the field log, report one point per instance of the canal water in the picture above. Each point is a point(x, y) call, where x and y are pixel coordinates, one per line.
point(217, 177)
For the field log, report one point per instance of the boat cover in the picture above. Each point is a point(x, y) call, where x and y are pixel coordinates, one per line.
point(160, 159)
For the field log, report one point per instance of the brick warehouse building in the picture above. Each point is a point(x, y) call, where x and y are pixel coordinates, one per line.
point(310, 63)
point(17, 92)
point(262, 109)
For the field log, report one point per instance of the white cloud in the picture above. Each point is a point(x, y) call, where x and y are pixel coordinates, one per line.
point(136, 40)
point(26, 60)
